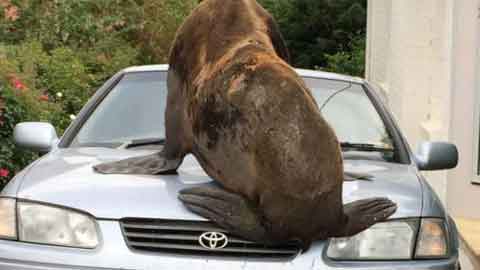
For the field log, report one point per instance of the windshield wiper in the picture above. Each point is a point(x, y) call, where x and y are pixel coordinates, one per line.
point(142, 142)
point(365, 147)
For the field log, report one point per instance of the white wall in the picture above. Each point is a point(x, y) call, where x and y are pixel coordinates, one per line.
point(425, 54)
point(463, 197)
point(409, 55)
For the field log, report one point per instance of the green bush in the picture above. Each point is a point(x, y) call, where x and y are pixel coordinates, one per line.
point(349, 61)
point(314, 29)
point(54, 54)
point(14, 108)
point(158, 31)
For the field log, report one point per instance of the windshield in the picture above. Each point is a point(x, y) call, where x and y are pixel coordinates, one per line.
point(348, 109)
point(135, 107)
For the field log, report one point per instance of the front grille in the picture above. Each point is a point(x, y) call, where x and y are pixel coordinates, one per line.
point(182, 237)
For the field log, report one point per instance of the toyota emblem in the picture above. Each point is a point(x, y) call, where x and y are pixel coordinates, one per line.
point(213, 240)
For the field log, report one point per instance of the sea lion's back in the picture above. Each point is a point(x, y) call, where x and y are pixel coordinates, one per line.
point(258, 113)
point(294, 140)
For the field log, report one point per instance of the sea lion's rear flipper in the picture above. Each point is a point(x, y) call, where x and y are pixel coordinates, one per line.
point(362, 214)
point(353, 176)
point(230, 211)
point(149, 165)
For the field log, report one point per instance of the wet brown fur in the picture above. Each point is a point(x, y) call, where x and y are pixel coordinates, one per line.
point(250, 120)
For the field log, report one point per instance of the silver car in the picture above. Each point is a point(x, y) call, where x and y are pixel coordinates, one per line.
point(58, 214)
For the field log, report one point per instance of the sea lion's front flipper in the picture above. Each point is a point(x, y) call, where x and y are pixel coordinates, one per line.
point(362, 214)
point(149, 165)
point(230, 211)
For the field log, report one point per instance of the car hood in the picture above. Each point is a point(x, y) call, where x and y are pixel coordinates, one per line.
point(65, 177)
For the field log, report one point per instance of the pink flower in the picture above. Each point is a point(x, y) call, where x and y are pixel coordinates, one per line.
point(11, 13)
point(18, 84)
point(4, 173)
point(43, 97)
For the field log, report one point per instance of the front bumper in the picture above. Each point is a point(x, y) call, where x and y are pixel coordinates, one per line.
point(114, 254)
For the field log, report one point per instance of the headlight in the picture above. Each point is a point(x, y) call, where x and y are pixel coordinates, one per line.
point(394, 240)
point(8, 224)
point(389, 240)
point(432, 242)
point(49, 225)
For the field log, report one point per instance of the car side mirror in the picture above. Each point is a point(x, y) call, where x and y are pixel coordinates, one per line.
point(432, 156)
point(36, 136)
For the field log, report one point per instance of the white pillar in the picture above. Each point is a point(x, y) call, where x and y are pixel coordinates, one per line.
point(408, 55)
point(463, 196)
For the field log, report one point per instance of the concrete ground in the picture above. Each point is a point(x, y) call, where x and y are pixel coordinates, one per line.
point(466, 260)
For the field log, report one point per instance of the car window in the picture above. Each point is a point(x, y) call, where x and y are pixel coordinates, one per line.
point(134, 109)
point(349, 110)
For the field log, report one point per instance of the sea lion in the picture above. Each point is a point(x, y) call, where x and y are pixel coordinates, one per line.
point(236, 105)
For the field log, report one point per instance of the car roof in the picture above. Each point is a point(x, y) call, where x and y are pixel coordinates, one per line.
point(301, 72)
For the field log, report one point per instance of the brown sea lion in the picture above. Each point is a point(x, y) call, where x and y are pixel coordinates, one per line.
point(236, 105)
